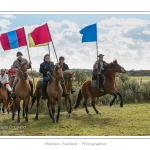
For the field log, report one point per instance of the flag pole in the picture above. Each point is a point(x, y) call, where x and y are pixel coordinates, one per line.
point(49, 49)
point(31, 67)
point(54, 50)
point(98, 65)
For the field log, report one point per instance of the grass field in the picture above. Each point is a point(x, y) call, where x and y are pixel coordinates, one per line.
point(131, 120)
point(139, 78)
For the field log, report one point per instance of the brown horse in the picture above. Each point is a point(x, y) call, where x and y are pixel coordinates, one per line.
point(3, 97)
point(87, 90)
point(22, 91)
point(68, 77)
point(54, 92)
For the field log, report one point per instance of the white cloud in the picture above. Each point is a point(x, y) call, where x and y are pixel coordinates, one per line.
point(4, 24)
point(121, 39)
point(8, 16)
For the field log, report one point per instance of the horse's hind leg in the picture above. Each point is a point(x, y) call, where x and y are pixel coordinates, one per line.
point(93, 105)
point(57, 118)
point(37, 108)
point(84, 104)
point(112, 102)
point(121, 101)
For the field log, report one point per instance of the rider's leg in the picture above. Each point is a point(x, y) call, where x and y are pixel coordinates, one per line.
point(101, 80)
point(13, 88)
point(44, 85)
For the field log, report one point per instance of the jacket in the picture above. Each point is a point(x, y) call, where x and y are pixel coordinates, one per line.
point(4, 79)
point(16, 65)
point(96, 68)
point(45, 67)
point(65, 67)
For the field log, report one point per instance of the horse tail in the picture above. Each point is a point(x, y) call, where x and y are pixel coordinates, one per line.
point(78, 100)
point(33, 100)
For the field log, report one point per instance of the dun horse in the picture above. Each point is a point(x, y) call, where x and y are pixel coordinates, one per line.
point(87, 90)
point(3, 97)
point(22, 91)
point(54, 92)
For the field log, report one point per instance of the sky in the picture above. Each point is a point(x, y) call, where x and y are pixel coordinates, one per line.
point(124, 37)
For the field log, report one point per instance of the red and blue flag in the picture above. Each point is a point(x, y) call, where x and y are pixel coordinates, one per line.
point(13, 39)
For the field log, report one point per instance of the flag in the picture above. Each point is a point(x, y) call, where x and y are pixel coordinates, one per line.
point(32, 44)
point(89, 33)
point(41, 35)
point(13, 39)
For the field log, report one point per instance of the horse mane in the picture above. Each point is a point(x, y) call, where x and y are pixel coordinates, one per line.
point(68, 73)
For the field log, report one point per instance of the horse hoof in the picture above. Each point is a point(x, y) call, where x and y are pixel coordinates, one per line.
point(18, 121)
point(110, 104)
point(12, 119)
point(35, 118)
point(23, 116)
point(27, 121)
point(98, 112)
point(89, 113)
point(121, 104)
point(57, 121)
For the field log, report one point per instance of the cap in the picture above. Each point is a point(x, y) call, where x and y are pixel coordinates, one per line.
point(61, 58)
point(19, 53)
point(100, 55)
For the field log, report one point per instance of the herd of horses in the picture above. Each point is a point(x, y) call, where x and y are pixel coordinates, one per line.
point(55, 92)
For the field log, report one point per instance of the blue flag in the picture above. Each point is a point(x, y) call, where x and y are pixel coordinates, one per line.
point(89, 33)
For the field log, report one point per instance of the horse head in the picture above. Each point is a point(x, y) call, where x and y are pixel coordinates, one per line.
point(68, 77)
point(117, 68)
point(22, 70)
point(57, 72)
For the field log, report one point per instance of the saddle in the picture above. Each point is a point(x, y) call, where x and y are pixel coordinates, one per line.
point(94, 83)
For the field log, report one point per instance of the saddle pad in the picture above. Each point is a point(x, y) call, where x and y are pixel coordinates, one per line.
point(94, 83)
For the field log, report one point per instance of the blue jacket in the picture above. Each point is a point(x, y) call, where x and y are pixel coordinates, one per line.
point(46, 66)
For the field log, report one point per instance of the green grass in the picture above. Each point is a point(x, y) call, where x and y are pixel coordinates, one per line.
point(131, 120)
point(139, 77)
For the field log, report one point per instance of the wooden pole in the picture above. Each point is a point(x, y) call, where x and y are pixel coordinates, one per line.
point(98, 65)
point(54, 51)
point(49, 49)
point(31, 68)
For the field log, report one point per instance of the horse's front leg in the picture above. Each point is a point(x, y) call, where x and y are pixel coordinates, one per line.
point(23, 114)
point(49, 105)
point(26, 108)
point(18, 108)
point(57, 118)
point(53, 110)
point(121, 100)
point(112, 102)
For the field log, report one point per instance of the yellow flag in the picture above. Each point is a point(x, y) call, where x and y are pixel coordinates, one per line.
point(32, 44)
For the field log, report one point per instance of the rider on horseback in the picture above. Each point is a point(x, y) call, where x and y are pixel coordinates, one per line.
point(46, 68)
point(15, 68)
point(65, 67)
point(4, 79)
point(99, 66)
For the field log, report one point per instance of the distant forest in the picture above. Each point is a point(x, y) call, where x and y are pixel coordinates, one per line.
point(88, 72)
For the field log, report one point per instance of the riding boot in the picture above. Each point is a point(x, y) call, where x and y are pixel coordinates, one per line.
point(44, 85)
point(13, 95)
point(101, 82)
point(65, 93)
point(31, 85)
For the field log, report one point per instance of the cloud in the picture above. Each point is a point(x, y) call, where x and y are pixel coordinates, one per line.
point(8, 16)
point(4, 24)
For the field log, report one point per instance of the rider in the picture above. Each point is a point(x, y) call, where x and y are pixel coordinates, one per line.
point(99, 66)
point(46, 68)
point(15, 68)
point(4, 79)
point(65, 67)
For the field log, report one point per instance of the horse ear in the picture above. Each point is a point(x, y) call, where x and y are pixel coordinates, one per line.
point(115, 62)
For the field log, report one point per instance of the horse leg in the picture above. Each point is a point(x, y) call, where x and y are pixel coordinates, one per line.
point(49, 105)
point(53, 111)
point(57, 118)
point(121, 100)
point(37, 109)
point(26, 108)
point(84, 104)
point(23, 115)
point(112, 102)
point(18, 108)
point(93, 105)
point(13, 110)
point(66, 98)
point(70, 109)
